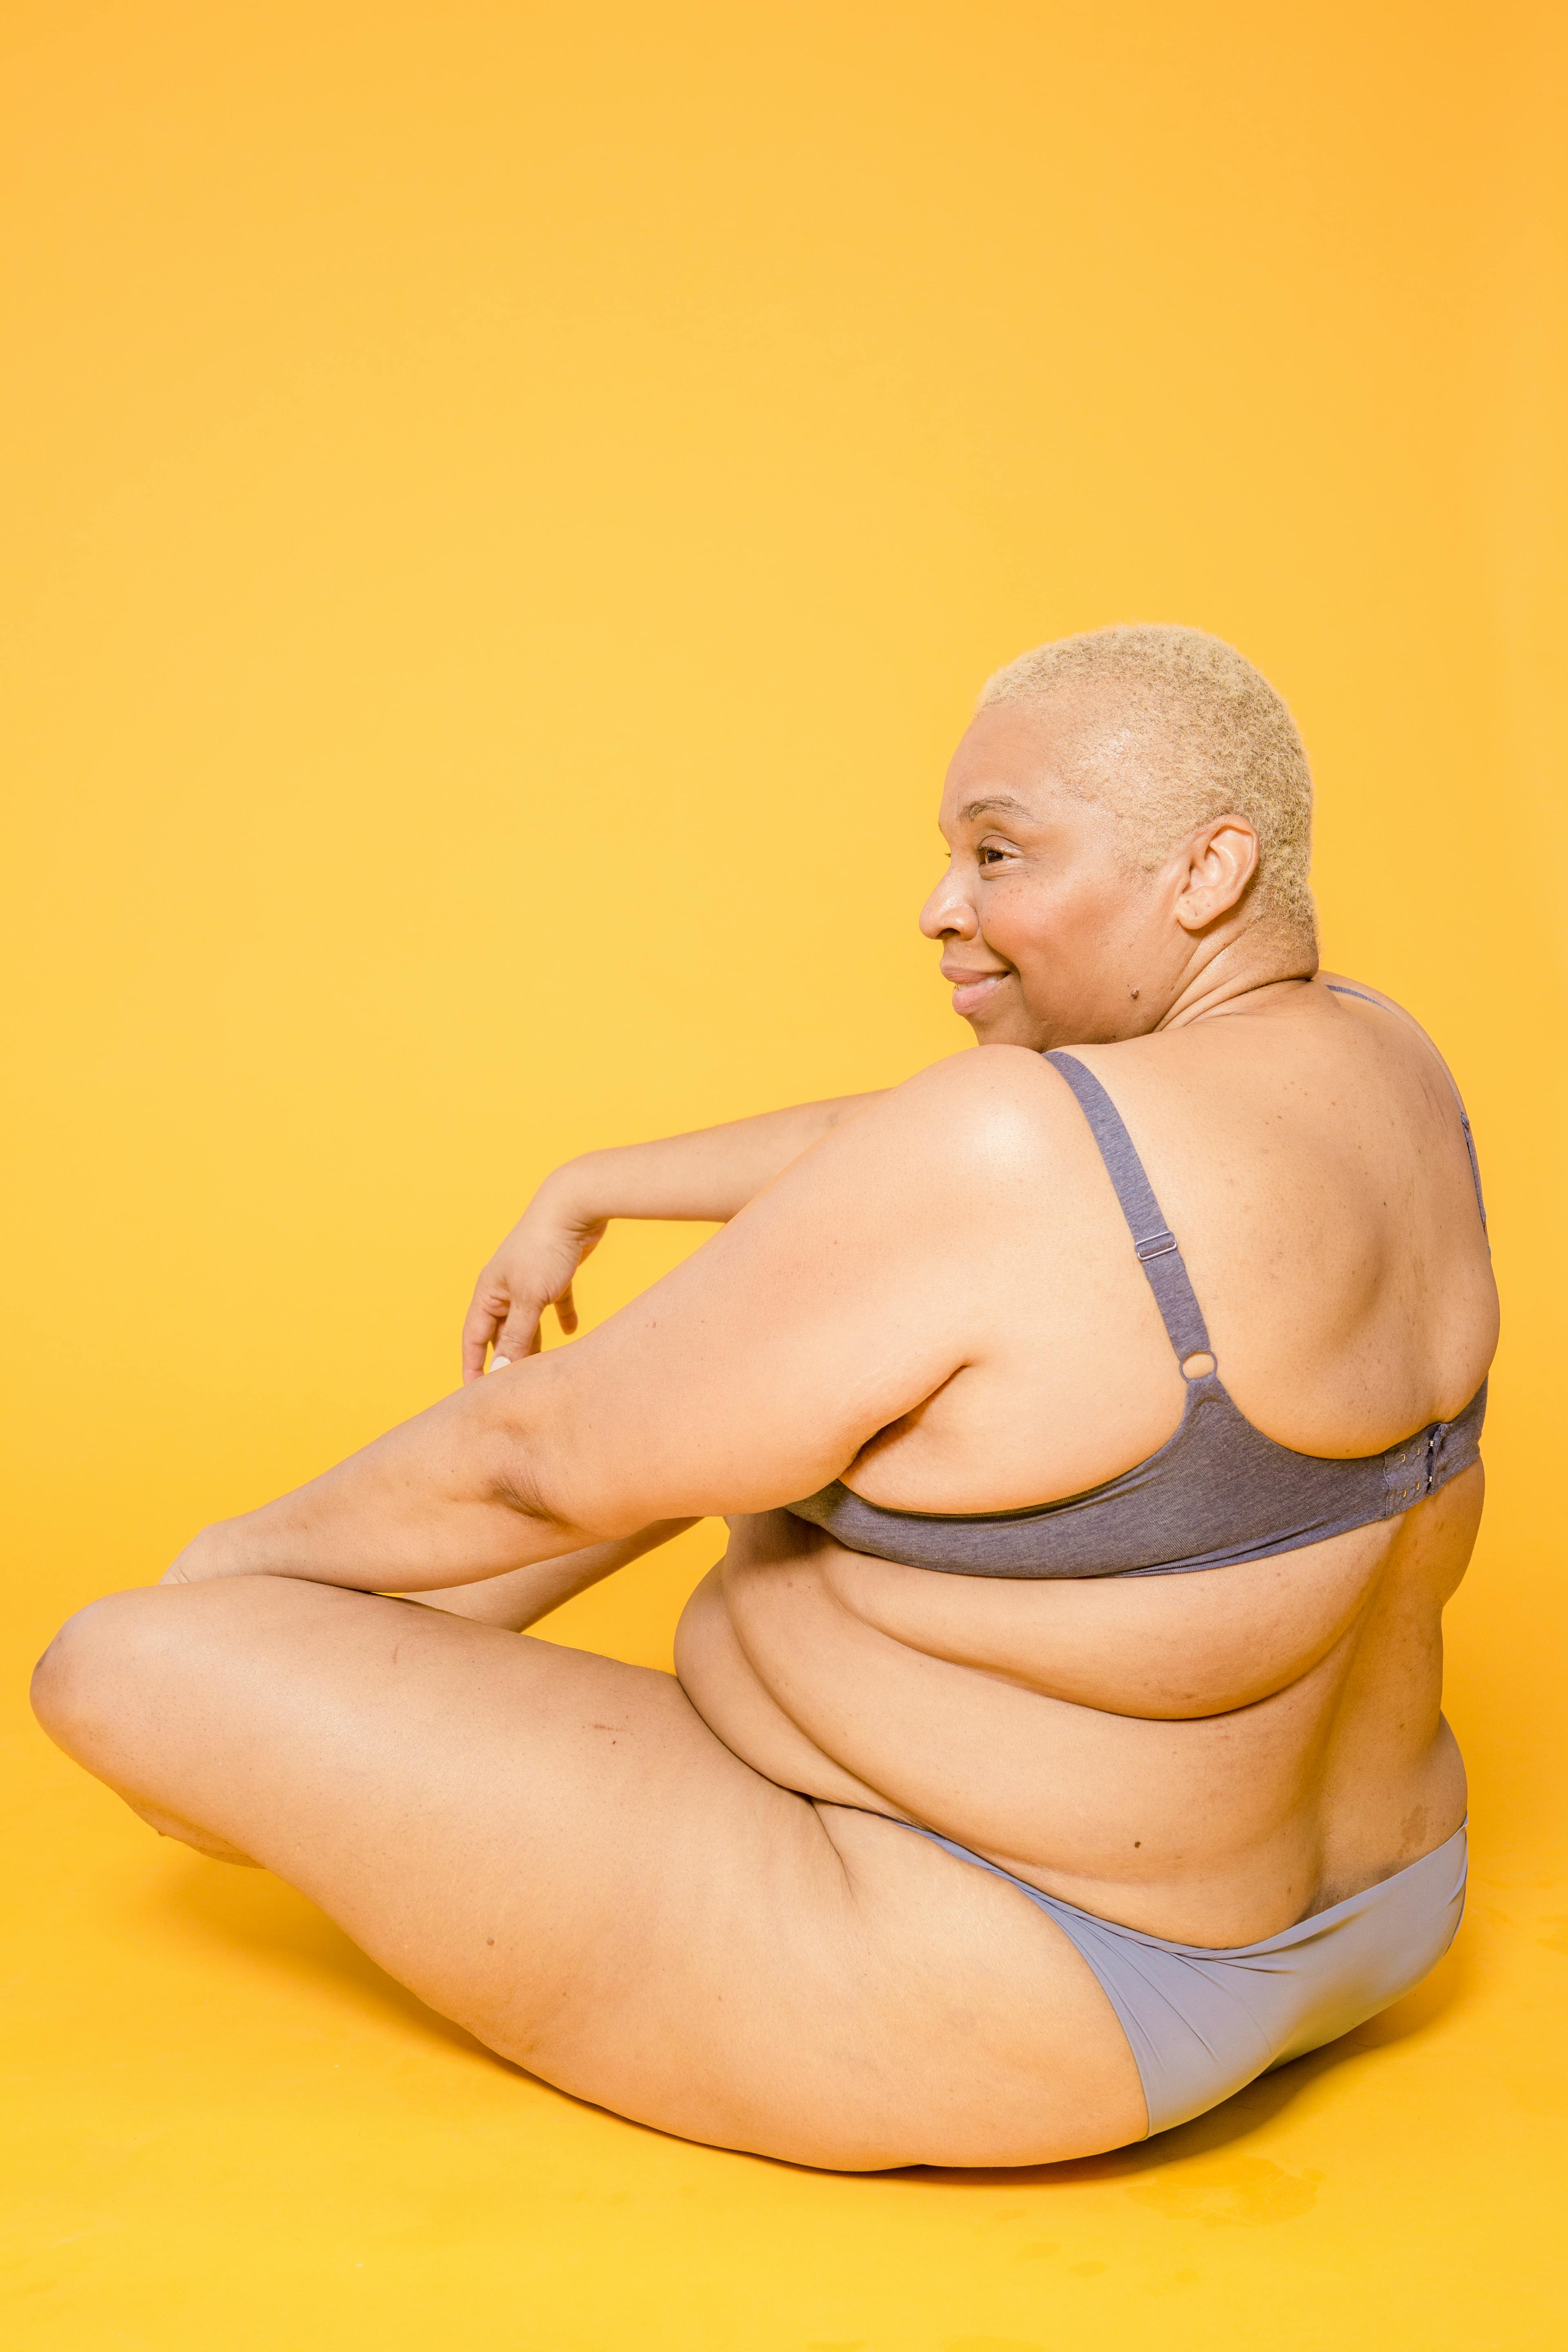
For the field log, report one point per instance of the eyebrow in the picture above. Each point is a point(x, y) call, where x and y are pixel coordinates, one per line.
point(996, 801)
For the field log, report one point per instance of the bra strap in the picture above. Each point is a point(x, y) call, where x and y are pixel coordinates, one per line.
point(1151, 1237)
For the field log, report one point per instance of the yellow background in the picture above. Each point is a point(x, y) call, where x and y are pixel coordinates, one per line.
point(508, 508)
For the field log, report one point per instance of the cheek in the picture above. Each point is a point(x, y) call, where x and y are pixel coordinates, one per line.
point(1041, 925)
point(1020, 921)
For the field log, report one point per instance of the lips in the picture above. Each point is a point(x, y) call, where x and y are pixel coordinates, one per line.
point(973, 990)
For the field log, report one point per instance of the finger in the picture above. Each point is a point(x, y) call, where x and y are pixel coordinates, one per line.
point(566, 1311)
point(518, 1335)
point(480, 1327)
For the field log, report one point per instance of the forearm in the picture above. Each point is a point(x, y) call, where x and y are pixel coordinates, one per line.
point(704, 1177)
point(520, 1597)
point(700, 1179)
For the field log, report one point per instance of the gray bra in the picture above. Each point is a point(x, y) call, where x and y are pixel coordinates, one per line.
point(1216, 1492)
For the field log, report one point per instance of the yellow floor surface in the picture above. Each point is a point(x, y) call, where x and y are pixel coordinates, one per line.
point(227, 2128)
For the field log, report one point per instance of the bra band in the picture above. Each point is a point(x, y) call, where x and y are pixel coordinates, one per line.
point(1153, 1239)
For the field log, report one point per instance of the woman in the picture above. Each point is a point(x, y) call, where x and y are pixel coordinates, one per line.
point(1058, 1744)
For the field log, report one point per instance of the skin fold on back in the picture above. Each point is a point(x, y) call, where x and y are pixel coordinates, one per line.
point(1206, 1756)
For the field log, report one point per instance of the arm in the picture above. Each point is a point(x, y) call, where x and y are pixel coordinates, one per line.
point(701, 1179)
point(849, 1292)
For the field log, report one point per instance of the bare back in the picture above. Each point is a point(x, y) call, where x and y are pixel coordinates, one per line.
point(1204, 1757)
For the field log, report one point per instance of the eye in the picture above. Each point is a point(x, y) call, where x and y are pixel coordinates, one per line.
point(988, 854)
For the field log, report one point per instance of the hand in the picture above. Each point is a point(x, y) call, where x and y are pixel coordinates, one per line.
point(532, 1269)
point(214, 1551)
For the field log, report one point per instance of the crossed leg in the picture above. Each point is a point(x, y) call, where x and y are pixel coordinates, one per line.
point(553, 1850)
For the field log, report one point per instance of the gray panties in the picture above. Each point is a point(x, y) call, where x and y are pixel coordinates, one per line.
point(1201, 2022)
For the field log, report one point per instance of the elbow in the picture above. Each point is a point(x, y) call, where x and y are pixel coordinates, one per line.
point(534, 1464)
point(517, 1480)
point(512, 1482)
point(502, 1461)
point(515, 1489)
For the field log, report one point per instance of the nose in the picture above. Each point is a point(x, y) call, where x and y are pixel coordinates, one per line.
point(947, 913)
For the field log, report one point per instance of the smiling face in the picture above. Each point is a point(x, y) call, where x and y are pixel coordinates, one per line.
point(1051, 934)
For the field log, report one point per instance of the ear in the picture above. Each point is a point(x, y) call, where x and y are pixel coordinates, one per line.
point(1214, 866)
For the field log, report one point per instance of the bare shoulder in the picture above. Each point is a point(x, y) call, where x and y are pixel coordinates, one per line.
point(1343, 984)
point(1350, 993)
point(994, 1090)
point(968, 1118)
point(1352, 996)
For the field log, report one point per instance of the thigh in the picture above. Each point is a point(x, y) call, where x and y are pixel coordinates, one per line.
point(553, 1850)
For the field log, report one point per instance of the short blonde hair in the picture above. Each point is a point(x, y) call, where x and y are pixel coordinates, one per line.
point(1177, 727)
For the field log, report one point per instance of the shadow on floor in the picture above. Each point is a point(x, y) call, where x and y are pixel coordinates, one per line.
point(224, 1906)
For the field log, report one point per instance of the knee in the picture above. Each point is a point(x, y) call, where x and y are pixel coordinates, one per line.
point(102, 1690)
point(126, 1666)
point(85, 1677)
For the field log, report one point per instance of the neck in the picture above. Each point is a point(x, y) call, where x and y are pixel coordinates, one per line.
point(1250, 970)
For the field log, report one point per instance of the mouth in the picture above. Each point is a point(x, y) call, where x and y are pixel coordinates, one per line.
point(974, 990)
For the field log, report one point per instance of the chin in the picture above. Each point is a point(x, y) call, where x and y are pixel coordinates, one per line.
point(1005, 1027)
